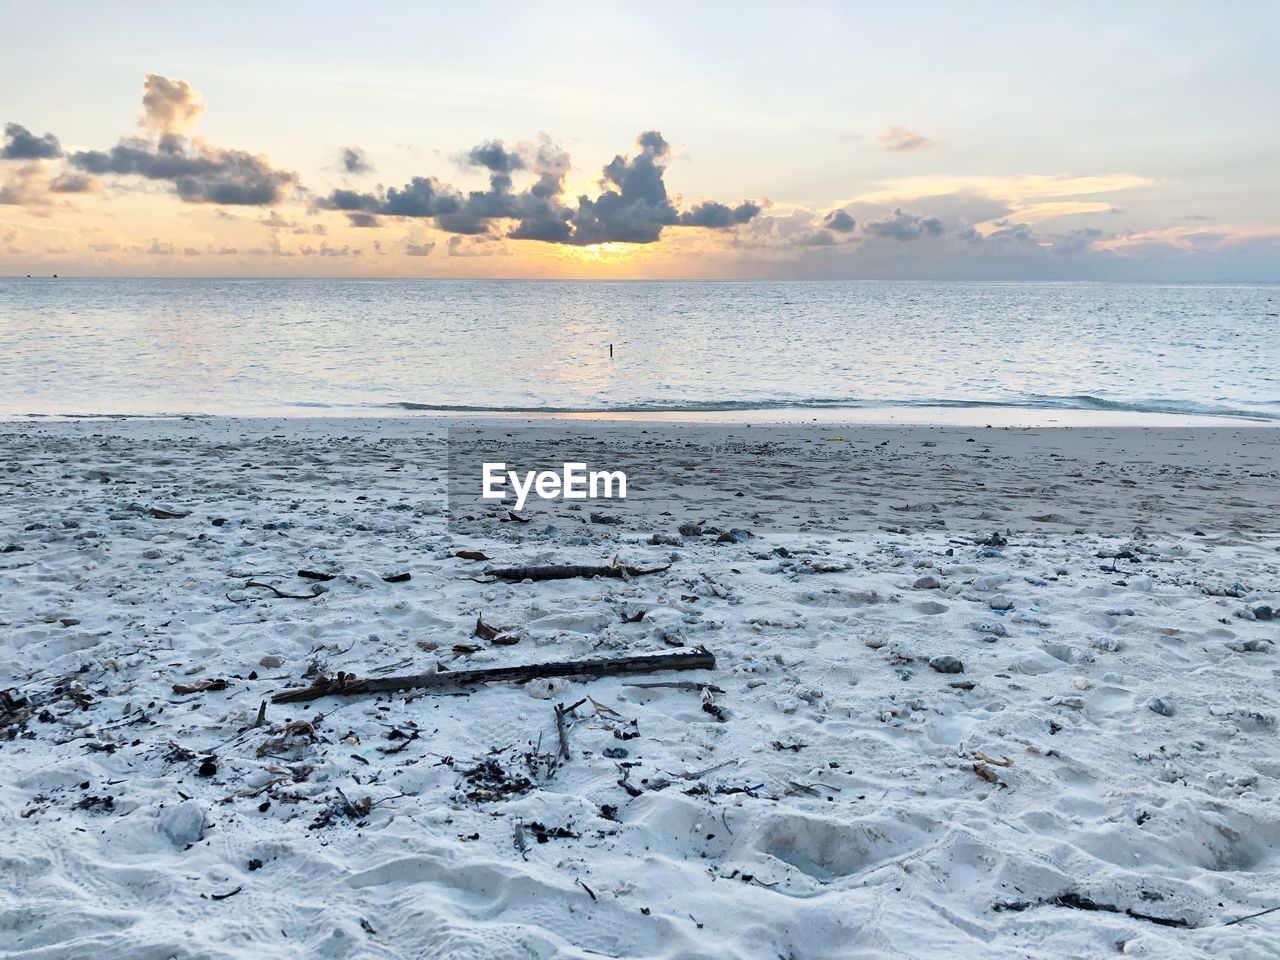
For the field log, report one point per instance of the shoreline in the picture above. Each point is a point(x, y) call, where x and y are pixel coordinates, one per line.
point(888, 416)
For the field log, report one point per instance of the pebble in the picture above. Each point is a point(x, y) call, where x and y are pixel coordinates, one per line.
point(1156, 705)
point(152, 554)
point(1263, 612)
point(947, 664)
point(1000, 602)
point(184, 823)
point(690, 529)
point(1252, 645)
point(927, 582)
point(270, 661)
point(546, 689)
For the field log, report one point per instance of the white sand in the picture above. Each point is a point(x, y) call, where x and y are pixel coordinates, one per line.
point(874, 837)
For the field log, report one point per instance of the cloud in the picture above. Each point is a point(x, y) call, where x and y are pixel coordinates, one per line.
point(717, 216)
point(418, 249)
point(1077, 241)
point(904, 226)
point(632, 207)
point(355, 161)
point(364, 220)
point(492, 155)
point(1220, 238)
point(21, 144)
point(199, 173)
point(839, 221)
point(73, 183)
point(169, 106)
point(24, 187)
point(898, 139)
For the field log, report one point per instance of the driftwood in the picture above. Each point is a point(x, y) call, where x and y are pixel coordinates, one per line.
point(346, 685)
point(281, 594)
point(569, 571)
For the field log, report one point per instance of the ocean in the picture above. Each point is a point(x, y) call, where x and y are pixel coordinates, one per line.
point(309, 347)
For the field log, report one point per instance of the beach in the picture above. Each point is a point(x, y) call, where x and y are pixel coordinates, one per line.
point(1013, 694)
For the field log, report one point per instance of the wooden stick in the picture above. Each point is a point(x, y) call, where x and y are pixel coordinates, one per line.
point(568, 571)
point(563, 734)
point(346, 685)
point(1260, 913)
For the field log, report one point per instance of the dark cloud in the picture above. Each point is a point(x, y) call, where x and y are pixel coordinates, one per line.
point(492, 155)
point(21, 144)
point(718, 216)
point(363, 220)
point(355, 161)
point(904, 226)
point(839, 221)
point(1078, 241)
point(633, 206)
point(169, 106)
point(419, 249)
point(73, 183)
point(198, 172)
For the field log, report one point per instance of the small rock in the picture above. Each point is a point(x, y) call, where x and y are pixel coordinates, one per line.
point(927, 582)
point(690, 529)
point(546, 689)
point(271, 661)
point(1252, 645)
point(1156, 705)
point(1263, 612)
point(184, 823)
point(152, 554)
point(947, 664)
point(1000, 602)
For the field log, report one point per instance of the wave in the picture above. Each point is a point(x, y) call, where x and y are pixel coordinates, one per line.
point(1029, 402)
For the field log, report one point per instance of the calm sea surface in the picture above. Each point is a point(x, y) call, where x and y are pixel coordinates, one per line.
point(317, 346)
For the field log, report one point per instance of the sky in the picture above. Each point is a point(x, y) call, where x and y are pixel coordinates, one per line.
point(1030, 140)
